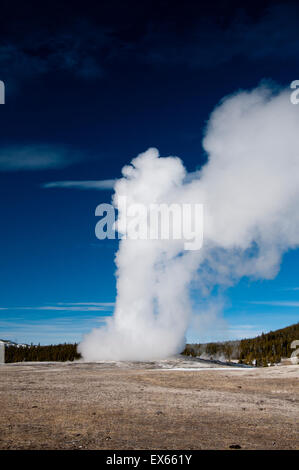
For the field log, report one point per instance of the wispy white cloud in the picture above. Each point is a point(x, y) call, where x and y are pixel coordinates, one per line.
point(54, 323)
point(276, 303)
point(101, 304)
point(47, 331)
point(85, 185)
point(244, 331)
point(81, 308)
point(69, 306)
point(36, 157)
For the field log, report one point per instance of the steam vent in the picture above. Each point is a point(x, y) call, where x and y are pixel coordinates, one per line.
point(2, 352)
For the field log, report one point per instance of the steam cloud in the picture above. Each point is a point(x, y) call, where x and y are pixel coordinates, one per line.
point(250, 191)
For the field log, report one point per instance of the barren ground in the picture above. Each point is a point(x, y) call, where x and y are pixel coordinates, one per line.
point(142, 406)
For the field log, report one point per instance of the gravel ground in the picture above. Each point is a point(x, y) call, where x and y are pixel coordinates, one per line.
point(153, 405)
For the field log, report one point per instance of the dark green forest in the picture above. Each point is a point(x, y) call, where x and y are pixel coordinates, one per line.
point(270, 347)
point(57, 352)
point(265, 349)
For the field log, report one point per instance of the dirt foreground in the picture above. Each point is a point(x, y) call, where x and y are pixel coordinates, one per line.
point(147, 406)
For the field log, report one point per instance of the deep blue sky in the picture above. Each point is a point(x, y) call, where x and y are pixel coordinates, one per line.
point(92, 86)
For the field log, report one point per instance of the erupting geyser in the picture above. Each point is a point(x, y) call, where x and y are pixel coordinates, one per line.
point(250, 191)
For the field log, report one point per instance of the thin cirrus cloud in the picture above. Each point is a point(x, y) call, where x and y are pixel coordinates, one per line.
point(36, 157)
point(69, 306)
point(100, 185)
point(49, 331)
point(240, 331)
point(277, 303)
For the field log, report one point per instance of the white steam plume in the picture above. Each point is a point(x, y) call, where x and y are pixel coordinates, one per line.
point(250, 191)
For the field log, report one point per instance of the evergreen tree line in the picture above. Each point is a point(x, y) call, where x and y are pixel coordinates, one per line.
point(269, 348)
point(265, 349)
point(57, 352)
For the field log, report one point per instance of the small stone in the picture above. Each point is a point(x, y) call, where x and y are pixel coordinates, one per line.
point(235, 446)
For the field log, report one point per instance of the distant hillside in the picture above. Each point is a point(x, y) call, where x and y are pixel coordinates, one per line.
point(270, 347)
point(265, 349)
